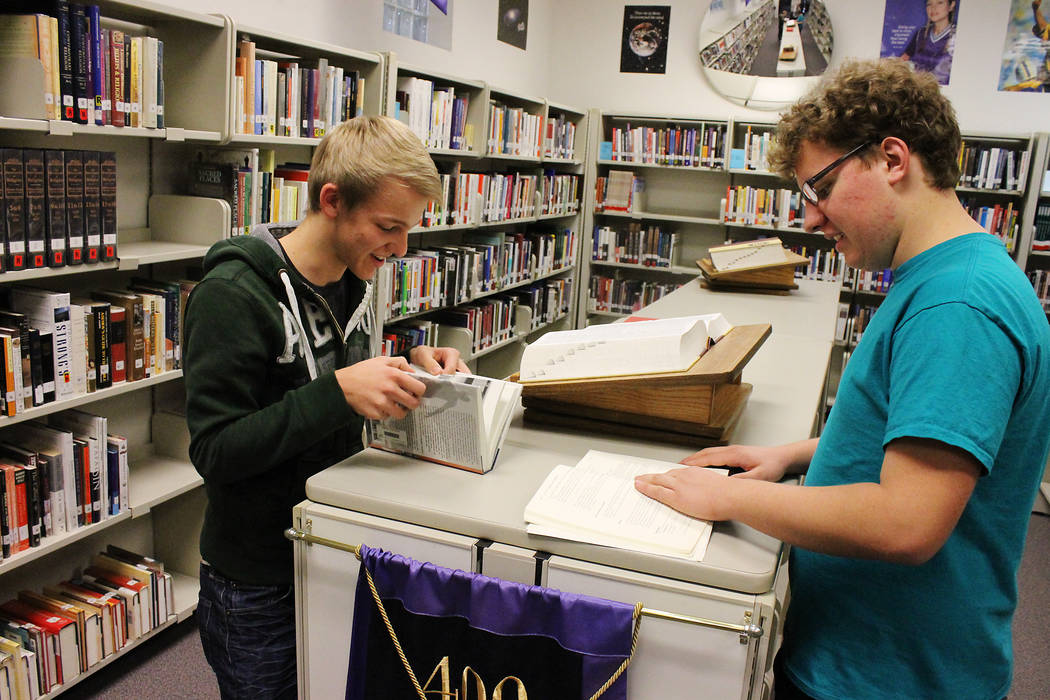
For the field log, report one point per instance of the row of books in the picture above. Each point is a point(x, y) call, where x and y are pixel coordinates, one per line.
point(59, 476)
point(757, 206)
point(257, 189)
point(513, 131)
point(473, 198)
point(54, 346)
point(57, 207)
point(1041, 238)
point(559, 138)
point(824, 264)
point(619, 191)
point(92, 75)
point(1041, 283)
point(993, 167)
point(869, 280)
point(754, 151)
point(490, 321)
point(48, 639)
point(693, 146)
point(623, 296)
point(448, 275)
point(286, 98)
point(637, 245)
point(436, 115)
point(549, 300)
point(851, 322)
point(559, 195)
point(1002, 221)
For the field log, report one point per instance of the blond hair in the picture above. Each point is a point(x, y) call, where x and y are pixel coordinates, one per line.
point(359, 154)
point(867, 101)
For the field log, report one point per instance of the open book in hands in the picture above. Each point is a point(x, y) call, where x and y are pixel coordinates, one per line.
point(619, 349)
point(596, 502)
point(461, 421)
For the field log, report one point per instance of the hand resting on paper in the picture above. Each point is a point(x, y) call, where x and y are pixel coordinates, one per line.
point(690, 490)
point(746, 461)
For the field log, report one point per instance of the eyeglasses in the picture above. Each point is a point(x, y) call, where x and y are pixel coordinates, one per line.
point(808, 187)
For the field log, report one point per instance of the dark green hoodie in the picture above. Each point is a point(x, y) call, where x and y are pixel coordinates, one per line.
point(259, 425)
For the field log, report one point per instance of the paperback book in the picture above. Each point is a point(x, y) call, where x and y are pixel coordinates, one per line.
point(461, 421)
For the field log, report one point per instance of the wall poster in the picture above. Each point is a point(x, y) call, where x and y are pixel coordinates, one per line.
point(644, 46)
point(922, 32)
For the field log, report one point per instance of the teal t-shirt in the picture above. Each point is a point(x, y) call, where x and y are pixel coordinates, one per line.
point(959, 351)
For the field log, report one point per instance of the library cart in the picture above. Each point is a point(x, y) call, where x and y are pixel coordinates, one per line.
point(710, 624)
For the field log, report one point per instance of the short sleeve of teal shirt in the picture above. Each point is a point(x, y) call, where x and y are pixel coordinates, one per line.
point(950, 382)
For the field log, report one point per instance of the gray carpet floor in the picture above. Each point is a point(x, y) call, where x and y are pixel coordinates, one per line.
point(172, 664)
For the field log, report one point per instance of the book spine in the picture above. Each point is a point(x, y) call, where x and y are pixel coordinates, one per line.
point(81, 62)
point(21, 512)
point(103, 377)
point(55, 195)
point(98, 73)
point(74, 166)
point(14, 208)
point(108, 204)
point(116, 68)
point(92, 206)
point(36, 215)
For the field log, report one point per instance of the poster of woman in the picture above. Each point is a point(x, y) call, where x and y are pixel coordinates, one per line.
point(923, 32)
point(1026, 52)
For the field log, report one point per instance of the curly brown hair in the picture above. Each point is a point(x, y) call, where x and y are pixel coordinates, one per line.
point(867, 101)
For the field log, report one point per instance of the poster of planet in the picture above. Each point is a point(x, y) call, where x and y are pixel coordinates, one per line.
point(513, 27)
point(644, 47)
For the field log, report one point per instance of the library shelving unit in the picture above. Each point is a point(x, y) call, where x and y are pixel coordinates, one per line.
point(158, 235)
point(512, 166)
point(654, 208)
point(819, 24)
point(733, 46)
point(1033, 249)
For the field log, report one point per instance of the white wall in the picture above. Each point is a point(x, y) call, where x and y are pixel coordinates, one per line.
point(573, 54)
point(476, 53)
point(593, 78)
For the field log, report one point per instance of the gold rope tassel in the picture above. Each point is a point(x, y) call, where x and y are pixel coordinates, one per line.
point(627, 661)
point(637, 616)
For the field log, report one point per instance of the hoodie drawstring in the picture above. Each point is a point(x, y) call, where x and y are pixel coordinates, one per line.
point(305, 348)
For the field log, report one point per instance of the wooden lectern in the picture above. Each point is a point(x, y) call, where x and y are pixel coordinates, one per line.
point(699, 406)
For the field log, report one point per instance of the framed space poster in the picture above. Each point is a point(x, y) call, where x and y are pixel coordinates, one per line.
point(644, 47)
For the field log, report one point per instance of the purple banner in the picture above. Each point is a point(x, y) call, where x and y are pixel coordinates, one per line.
point(923, 33)
point(557, 645)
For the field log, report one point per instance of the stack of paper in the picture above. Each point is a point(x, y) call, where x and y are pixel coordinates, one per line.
point(596, 502)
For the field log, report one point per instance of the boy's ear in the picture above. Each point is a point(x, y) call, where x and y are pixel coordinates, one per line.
point(897, 156)
point(330, 200)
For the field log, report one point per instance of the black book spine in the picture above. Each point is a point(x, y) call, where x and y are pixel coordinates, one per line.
point(103, 377)
point(5, 514)
point(92, 205)
point(108, 202)
point(36, 366)
point(36, 216)
point(83, 489)
point(47, 366)
point(33, 507)
point(14, 208)
point(65, 60)
point(55, 193)
point(78, 22)
point(74, 161)
point(43, 468)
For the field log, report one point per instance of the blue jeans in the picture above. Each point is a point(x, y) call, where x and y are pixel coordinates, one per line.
point(248, 635)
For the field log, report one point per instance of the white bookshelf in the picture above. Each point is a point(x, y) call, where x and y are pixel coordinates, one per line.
point(156, 235)
point(480, 154)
